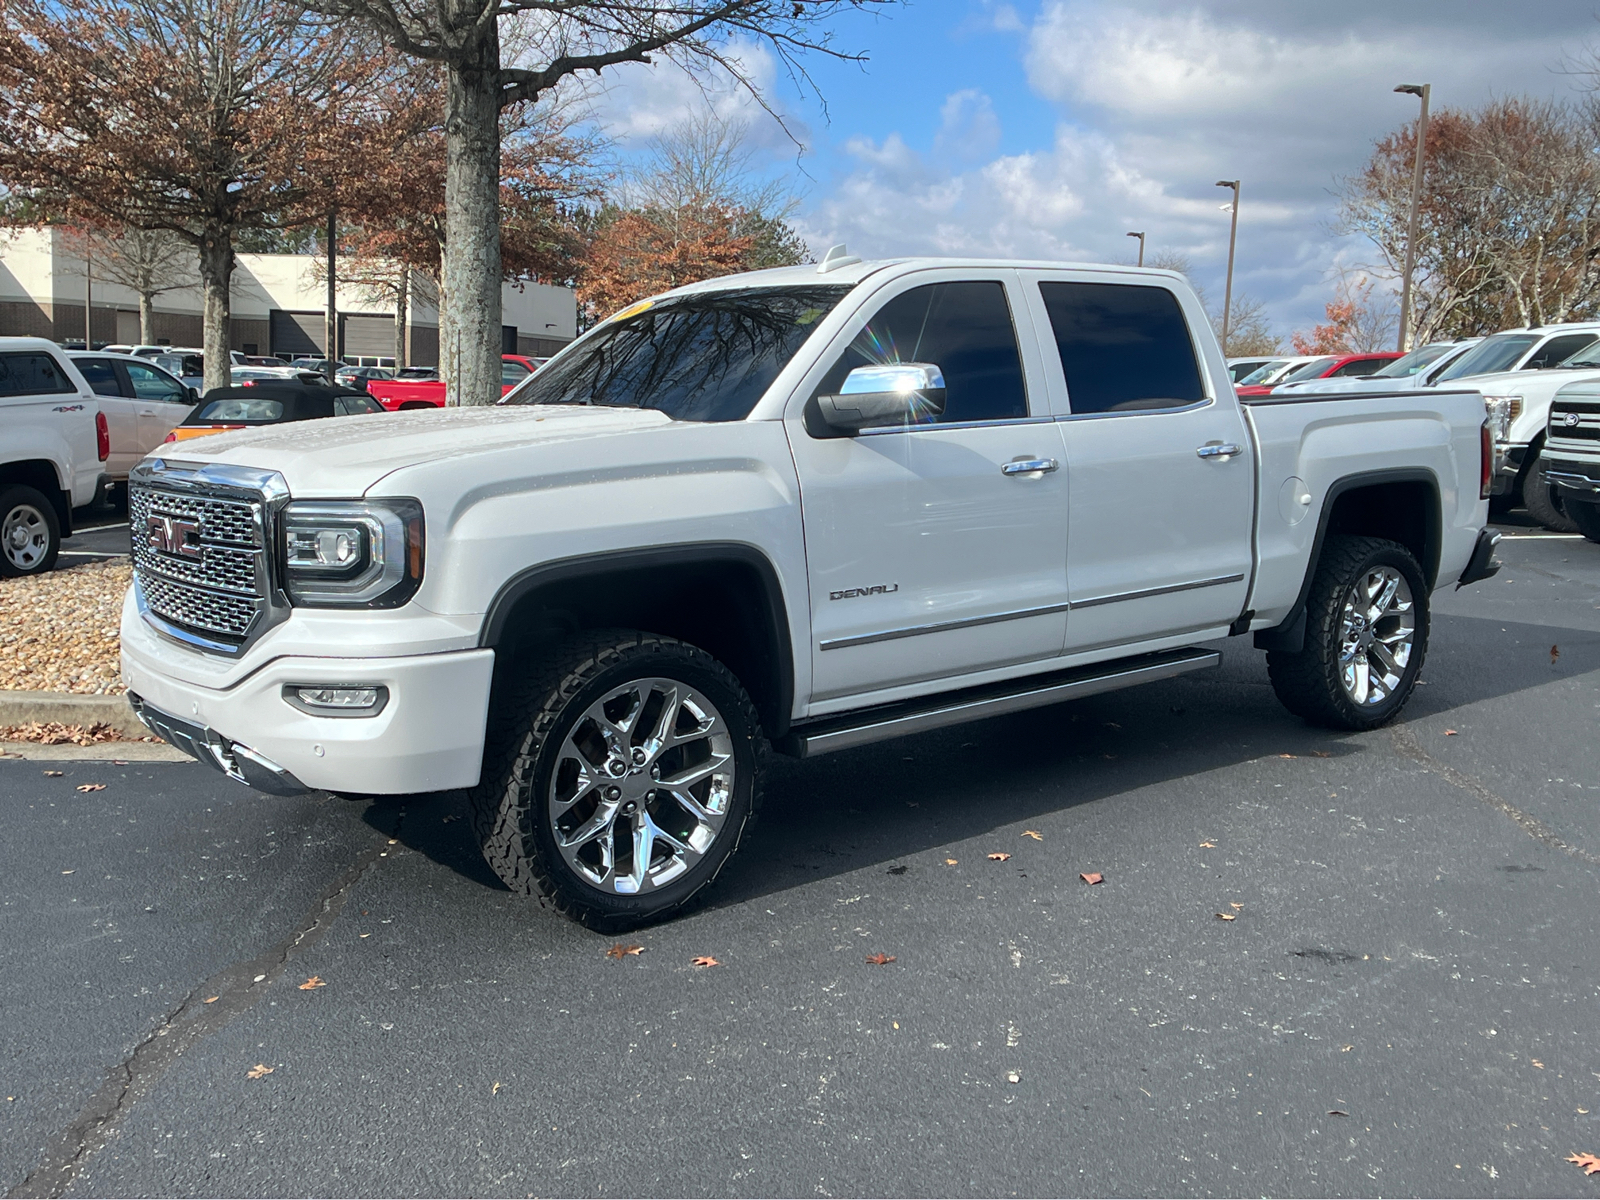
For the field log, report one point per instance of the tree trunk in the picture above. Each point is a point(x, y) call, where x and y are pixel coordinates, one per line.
point(147, 319)
point(216, 275)
point(402, 317)
point(469, 306)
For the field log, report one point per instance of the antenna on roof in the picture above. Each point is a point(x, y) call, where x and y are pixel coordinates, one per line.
point(836, 257)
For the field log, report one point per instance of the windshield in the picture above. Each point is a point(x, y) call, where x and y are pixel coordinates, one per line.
point(1403, 368)
point(1311, 370)
point(707, 356)
point(1497, 353)
point(1264, 372)
point(1589, 356)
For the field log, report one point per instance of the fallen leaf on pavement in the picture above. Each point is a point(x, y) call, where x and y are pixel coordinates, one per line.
point(621, 951)
point(1013, 1077)
point(1555, 653)
point(314, 982)
point(1337, 1112)
point(1286, 756)
point(1346, 1049)
point(999, 856)
point(495, 1090)
point(1235, 907)
point(211, 999)
point(950, 862)
point(704, 960)
point(1090, 877)
point(1034, 834)
point(53, 774)
point(1537, 1063)
point(1227, 917)
point(91, 787)
point(1322, 754)
point(880, 959)
point(69, 872)
point(1450, 733)
point(259, 1070)
point(1208, 845)
point(1589, 1162)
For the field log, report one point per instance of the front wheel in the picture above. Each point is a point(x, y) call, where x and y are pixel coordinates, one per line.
point(619, 778)
point(1585, 516)
point(1543, 500)
point(1366, 636)
point(30, 535)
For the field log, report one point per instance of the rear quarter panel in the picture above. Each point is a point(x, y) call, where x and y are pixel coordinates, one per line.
point(1307, 444)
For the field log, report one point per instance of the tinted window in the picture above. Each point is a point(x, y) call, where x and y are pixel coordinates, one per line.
point(1404, 368)
point(1557, 349)
point(346, 406)
point(151, 384)
point(1123, 347)
point(239, 410)
point(510, 373)
point(30, 374)
point(1311, 370)
point(100, 374)
point(703, 357)
point(1362, 366)
point(1498, 353)
point(965, 330)
point(1263, 373)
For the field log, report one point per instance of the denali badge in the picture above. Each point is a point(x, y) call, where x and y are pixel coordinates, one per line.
point(877, 589)
point(1571, 420)
point(170, 535)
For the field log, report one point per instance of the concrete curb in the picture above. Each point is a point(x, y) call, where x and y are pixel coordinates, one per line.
point(19, 708)
point(118, 752)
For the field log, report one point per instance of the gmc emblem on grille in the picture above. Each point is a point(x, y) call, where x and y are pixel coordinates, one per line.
point(1571, 420)
point(170, 535)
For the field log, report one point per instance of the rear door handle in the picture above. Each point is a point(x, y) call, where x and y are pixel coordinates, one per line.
point(1029, 466)
point(1217, 450)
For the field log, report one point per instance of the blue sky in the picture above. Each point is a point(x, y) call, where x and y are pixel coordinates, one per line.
point(1049, 128)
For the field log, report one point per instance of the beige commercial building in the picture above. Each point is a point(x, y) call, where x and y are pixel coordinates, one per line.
point(279, 307)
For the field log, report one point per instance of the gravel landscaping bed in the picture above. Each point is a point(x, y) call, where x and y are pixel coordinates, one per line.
point(58, 632)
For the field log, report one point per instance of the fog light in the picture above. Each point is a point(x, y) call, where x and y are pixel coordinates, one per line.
point(337, 700)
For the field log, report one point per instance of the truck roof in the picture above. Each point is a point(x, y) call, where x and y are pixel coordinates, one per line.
point(855, 272)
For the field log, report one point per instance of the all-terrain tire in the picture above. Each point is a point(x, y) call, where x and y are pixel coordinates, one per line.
point(1585, 516)
point(1543, 502)
point(528, 724)
point(30, 532)
point(1309, 683)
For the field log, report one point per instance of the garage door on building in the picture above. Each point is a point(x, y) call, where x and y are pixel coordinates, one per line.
point(366, 336)
point(297, 334)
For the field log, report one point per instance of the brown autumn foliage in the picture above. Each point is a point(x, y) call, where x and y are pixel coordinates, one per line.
point(203, 118)
point(635, 254)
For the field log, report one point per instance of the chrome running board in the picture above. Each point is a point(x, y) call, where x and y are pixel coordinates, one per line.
point(954, 708)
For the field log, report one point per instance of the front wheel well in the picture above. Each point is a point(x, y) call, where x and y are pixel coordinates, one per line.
point(727, 603)
point(40, 474)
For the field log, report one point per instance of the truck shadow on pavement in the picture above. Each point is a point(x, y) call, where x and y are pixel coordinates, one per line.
point(886, 802)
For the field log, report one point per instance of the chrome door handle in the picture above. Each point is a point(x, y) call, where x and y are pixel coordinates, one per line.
point(1217, 450)
point(1029, 466)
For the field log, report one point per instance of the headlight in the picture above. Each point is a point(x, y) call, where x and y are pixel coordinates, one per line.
point(352, 553)
point(1502, 410)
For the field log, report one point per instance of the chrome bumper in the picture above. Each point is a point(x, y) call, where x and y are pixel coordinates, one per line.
point(233, 759)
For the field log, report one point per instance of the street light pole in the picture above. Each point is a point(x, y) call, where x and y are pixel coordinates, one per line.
point(1140, 236)
point(330, 327)
point(1233, 243)
point(1424, 90)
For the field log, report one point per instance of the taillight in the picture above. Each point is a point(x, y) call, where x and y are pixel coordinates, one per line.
point(1486, 461)
point(171, 437)
point(102, 436)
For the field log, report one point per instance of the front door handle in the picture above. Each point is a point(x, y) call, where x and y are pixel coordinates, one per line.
point(1217, 450)
point(1029, 466)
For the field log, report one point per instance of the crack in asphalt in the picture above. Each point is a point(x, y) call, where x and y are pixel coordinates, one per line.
point(1406, 745)
point(209, 1008)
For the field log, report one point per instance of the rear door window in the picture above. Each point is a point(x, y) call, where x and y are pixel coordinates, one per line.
point(1123, 347)
point(100, 374)
point(965, 330)
point(30, 373)
point(151, 384)
point(1556, 349)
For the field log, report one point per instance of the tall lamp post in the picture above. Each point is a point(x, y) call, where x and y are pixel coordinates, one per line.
point(1423, 90)
point(1140, 236)
point(1233, 243)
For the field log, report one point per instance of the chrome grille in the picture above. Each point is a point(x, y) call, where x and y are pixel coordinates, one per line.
point(219, 585)
point(1584, 433)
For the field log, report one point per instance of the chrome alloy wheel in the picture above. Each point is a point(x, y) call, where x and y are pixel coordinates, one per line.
point(1378, 630)
point(641, 786)
point(25, 537)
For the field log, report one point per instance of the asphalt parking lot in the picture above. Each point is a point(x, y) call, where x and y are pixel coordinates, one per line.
point(1407, 999)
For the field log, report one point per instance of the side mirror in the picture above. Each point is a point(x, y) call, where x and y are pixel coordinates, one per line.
point(894, 394)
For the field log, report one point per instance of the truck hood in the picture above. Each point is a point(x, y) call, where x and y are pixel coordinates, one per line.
point(346, 456)
point(1518, 383)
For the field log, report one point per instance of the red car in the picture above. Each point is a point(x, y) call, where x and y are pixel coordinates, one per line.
point(399, 394)
point(1333, 366)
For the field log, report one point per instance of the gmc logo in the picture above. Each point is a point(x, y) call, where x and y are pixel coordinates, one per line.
point(172, 535)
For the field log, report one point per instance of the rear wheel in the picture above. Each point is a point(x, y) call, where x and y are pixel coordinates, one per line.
point(1585, 516)
point(1366, 636)
point(1543, 501)
point(30, 533)
point(619, 778)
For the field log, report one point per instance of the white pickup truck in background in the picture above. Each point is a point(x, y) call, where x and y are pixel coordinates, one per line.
point(802, 509)
point(53, 446)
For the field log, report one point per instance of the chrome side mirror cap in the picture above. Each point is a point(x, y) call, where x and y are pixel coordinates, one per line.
point(892, 394)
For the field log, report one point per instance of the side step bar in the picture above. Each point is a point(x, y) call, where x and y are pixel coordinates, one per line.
point(954, 708)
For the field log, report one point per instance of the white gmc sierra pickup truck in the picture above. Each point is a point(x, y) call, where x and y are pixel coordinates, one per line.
point(806, 508)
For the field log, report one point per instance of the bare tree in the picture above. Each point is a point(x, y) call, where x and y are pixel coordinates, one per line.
point(1249, 328)
point(567, 37)
point(201, 118)
point(148, 262)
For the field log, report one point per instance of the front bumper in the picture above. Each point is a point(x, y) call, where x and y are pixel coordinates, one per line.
point(428, 737)
point(1577, 479)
